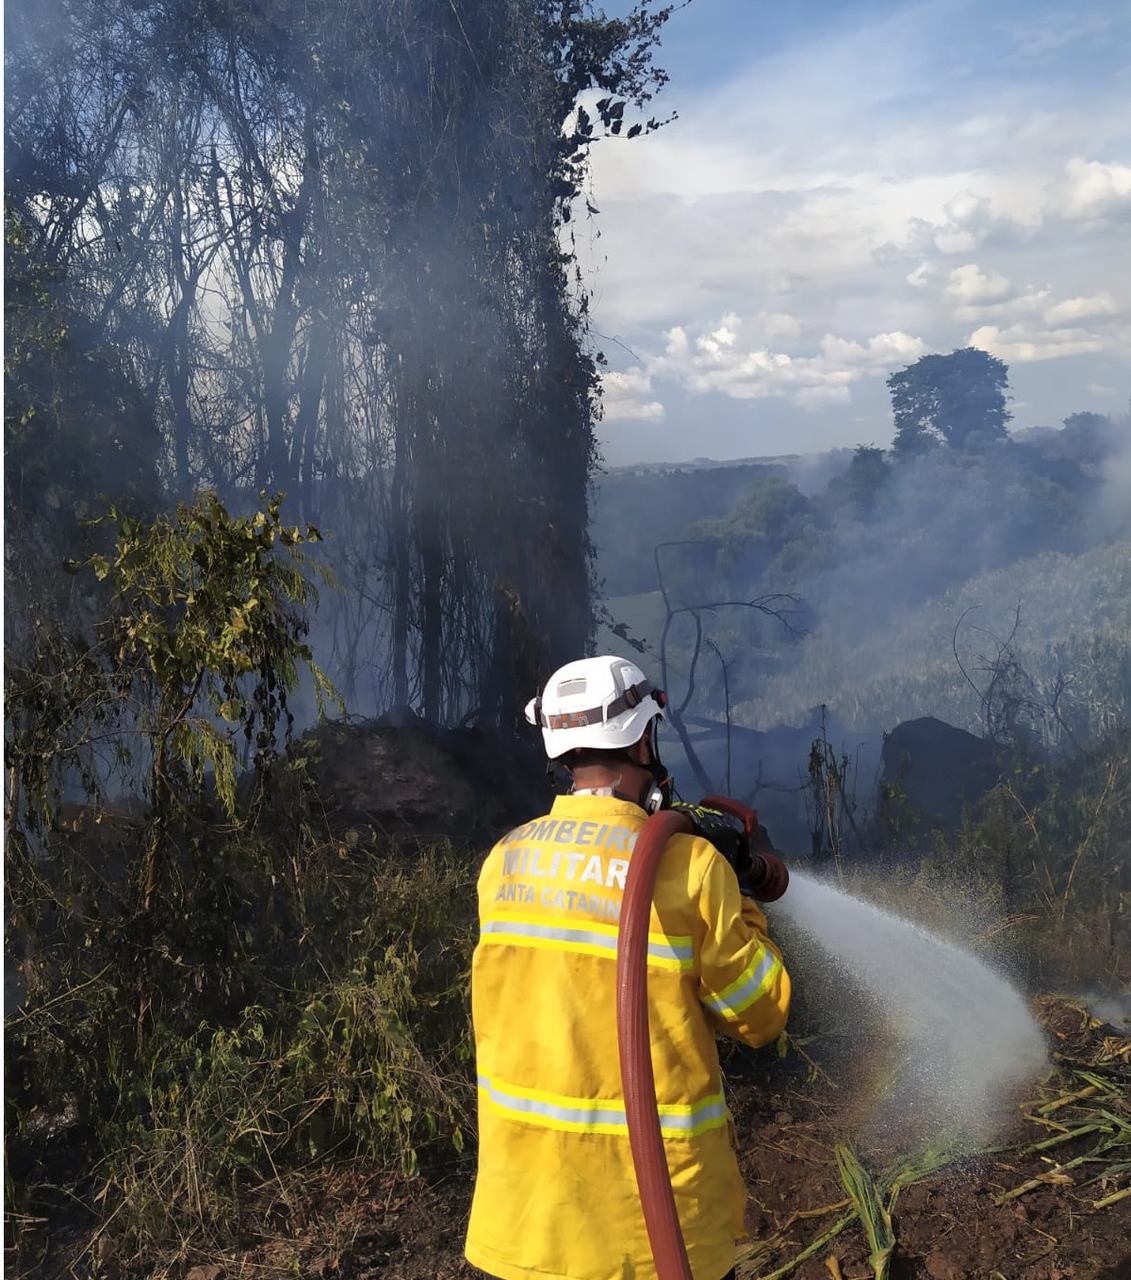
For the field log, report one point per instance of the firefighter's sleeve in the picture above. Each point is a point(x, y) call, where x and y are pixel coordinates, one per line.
point(742, 981)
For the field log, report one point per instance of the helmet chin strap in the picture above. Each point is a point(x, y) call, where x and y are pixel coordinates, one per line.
point(656, 794)
point(651, 798)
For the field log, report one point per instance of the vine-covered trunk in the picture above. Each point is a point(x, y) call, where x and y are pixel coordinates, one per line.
point(375, 207)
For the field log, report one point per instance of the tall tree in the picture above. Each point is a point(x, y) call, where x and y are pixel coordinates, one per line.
point(77, 432)
point(858, 490)
point(331, 244)
point(957, 399)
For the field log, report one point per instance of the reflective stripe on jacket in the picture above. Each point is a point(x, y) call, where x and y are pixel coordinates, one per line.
point(555, 1197)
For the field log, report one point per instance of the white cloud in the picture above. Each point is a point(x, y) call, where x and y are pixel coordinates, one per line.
point(819, 396)
point(715, 344)
point(1045, 331)
point(970, 284)
point(868, 178)
point(882, 351)
point(633, 411)
point(969, 209)
point(1092, 189)
point(717, 361)
point(766, 326)
point(1026, 345)
point(1098, 304)
point(963, 220)
point(1029, 302)
point(947, 240)
point(626, 398)
point(785, 282)
point(676, 340)
point(969, 219)
point(777, 324)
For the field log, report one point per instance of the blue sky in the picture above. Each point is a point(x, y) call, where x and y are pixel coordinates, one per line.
point(850, 186)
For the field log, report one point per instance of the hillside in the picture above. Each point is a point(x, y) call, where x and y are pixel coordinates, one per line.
point(1030, 547)
point(1075, 619)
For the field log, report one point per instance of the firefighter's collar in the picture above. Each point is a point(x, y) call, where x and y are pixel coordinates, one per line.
point(566, 806)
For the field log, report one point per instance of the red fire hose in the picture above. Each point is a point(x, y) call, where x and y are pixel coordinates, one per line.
point(635, 1045)
point(634, 1041)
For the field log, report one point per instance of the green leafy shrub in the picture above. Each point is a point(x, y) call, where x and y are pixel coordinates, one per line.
point(222, 1133)
point(221, 998)
point(344, 1034)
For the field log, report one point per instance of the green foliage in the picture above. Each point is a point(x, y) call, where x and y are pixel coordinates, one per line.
point(372, 1061)
point(958, 400)
point(345, 1034)
point(163, 921)
point(75, 424)
point(333, 245)
point(885, 562)
point(633, 511)
point(858, 491)
point(209, 612)
point(1089, 439)
point(34, 323)
point(336, 264)
point(772, 536)
point(881, 538)
point(203, 640)
point(870, 1209)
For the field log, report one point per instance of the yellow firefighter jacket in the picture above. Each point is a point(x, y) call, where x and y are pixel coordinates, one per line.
point(556, 1195)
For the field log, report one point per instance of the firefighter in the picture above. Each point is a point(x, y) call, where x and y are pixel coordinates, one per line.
point(555, 1195)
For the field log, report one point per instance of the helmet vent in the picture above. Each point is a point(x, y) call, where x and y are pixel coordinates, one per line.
point(571, 688)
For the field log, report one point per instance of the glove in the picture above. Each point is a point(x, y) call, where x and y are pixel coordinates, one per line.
point(761, 873)
point(713, 825)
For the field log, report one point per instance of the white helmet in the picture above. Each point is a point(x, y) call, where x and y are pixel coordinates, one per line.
point(603, 703)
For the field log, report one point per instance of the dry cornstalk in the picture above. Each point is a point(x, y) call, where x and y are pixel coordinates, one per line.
point(815, 1246)
point(1056, 1105)
point(1114, 1198)
point(1057, 1176)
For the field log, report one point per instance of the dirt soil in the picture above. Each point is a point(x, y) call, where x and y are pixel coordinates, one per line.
point(959, 1223)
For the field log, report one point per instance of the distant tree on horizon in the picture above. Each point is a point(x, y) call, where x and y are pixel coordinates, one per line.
point(958, 400)
point(857, 490)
